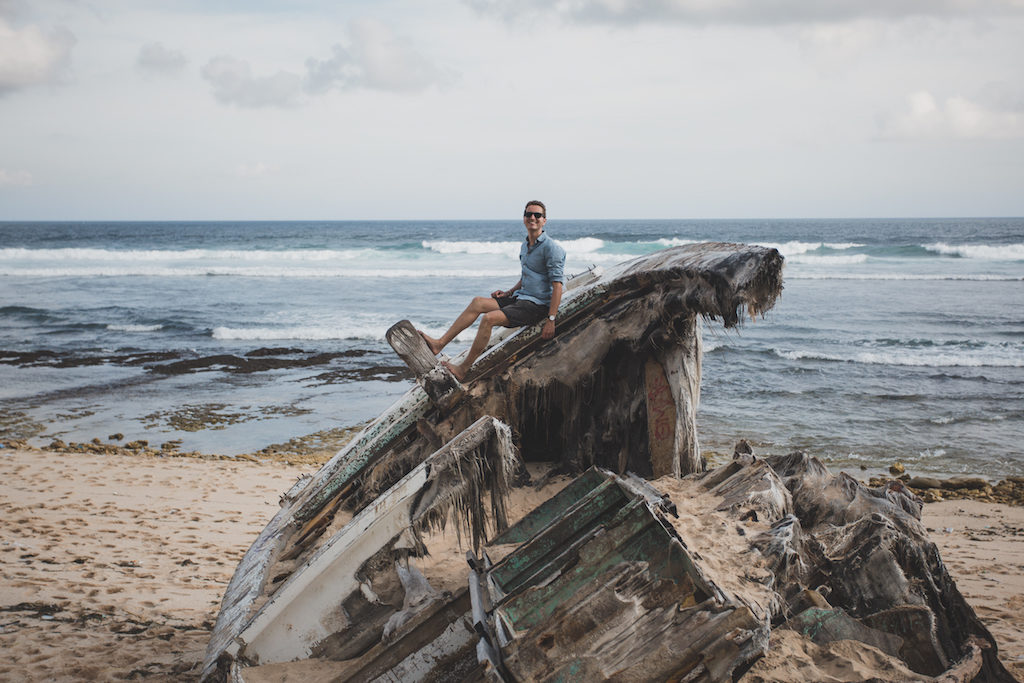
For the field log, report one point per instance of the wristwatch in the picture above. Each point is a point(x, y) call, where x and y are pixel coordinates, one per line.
point(551, 318)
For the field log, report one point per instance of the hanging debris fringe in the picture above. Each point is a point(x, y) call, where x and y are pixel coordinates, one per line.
point(469, 470)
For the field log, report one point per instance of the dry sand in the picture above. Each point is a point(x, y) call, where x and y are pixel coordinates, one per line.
point(113, 566)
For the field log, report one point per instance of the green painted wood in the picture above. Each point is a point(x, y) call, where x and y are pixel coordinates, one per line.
point(636, 537)
point(552, 509)
point(599, 504)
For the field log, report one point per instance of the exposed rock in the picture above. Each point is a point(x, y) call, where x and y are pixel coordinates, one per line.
point(971, 483)
point(924, 483)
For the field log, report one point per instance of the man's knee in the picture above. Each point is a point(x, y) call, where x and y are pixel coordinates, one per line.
point(482, 304)
point(494, 319)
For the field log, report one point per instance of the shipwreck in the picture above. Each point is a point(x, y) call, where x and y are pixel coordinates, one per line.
point(609, 576)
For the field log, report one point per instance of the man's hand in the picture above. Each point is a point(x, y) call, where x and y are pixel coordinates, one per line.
point(548, 331)
point(499, 294)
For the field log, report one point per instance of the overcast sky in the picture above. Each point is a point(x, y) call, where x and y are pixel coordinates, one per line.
point(450, 109)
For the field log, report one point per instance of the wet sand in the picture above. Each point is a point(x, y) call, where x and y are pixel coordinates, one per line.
point(114, 565)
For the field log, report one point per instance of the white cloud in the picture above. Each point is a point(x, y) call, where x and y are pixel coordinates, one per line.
point(954, 117)
point(252, 170)
point(15, 178)
point(233, 83)
point(387, 61)
point(158, 57)
point(754, 12)
point(32, 56)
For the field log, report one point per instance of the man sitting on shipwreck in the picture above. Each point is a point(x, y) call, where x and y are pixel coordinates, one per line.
point(688, 577)
point(537, 294)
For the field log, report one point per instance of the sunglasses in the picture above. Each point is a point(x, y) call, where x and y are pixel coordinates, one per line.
point(533, 214)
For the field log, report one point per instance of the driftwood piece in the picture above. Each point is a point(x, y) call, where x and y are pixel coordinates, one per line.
point(438, 381)
point(750, 489)
point(867, 552)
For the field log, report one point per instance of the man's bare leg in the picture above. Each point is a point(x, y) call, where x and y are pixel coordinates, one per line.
point(479, 305)
point(483, 335)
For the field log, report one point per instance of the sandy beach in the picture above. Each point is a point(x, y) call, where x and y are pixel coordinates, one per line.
point(114, 565)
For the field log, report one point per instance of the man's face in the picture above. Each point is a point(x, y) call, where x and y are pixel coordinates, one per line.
point(534, 218)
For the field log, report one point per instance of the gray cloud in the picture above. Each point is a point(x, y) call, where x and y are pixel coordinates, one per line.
point(233, 83)
point(1003, 96)
point(742, 12)
point(160, 58)
point(338, 71)
point(373, 58)
point(31, 55)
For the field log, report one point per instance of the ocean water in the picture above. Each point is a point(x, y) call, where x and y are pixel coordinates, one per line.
point(892, 340)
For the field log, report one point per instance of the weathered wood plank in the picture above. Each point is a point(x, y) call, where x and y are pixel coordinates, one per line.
point(411, 347)
point(552, 509)
point(600, 503)
point(436, 379)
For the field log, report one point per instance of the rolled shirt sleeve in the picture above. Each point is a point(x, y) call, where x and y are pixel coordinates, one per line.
point(556, 263)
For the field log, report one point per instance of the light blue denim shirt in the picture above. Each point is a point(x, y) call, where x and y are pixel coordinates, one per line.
point(542, 264)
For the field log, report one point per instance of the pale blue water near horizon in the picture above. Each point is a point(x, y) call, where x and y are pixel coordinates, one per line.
point(899, 339)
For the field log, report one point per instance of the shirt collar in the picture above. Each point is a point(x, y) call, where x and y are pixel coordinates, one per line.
point(543, 237)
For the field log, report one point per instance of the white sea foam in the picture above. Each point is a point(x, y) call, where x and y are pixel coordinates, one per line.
point(177, 256)
point(260, 271)
point(308, 333)
point(674, 242)
point(134, 328)
point(795, 248)
point(583, 245)
point(974, 277)
point(909, 358)
point(983, 252)
point(823, 260)
point(448, 247)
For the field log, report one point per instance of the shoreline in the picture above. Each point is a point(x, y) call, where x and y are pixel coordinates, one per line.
point(319, 447)
point(115, 564)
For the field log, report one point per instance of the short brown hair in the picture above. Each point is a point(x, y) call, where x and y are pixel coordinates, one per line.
point(536, 202)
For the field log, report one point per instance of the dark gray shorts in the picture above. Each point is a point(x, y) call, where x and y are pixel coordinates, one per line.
point(521, 312)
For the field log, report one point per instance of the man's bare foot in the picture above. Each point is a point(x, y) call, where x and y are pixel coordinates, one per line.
point(434, 345)
point(457, 370)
